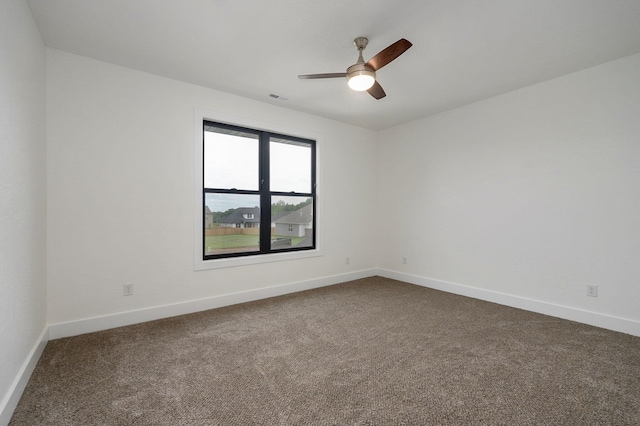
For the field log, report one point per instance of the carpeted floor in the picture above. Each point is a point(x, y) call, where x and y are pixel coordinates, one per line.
point(369, 352)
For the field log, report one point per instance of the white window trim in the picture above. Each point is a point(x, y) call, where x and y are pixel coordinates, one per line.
point(199, 263)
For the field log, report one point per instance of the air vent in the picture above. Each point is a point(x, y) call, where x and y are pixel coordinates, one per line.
point(274, 96)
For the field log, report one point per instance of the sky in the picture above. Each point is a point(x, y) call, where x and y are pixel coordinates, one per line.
point(232, 162)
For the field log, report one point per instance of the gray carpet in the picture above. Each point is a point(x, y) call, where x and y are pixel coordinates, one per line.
point(369, 352)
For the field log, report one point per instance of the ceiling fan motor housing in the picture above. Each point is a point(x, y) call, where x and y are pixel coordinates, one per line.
point(360, 77)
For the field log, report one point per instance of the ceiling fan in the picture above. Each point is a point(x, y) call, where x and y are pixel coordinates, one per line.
point(362, 76)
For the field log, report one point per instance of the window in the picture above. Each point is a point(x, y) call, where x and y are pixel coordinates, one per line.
point(258, 192)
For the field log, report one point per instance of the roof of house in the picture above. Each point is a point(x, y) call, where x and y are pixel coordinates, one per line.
point(276, 217)
point(237, 216)
point(300, 216)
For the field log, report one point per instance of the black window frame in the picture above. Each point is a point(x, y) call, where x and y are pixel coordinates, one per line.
point(264, 191)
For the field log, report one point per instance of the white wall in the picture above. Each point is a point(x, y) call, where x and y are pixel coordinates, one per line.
point(532, 194)
point(22, 196)
point(121, 188)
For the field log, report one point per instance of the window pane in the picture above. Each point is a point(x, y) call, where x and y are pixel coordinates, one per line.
point(232, 223)
point(290, 166)
point(230, 159)
point(291, 222)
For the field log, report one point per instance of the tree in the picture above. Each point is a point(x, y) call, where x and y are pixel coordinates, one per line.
point(281, 206)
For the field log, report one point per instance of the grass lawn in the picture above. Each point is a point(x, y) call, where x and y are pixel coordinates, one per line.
point(220, 242)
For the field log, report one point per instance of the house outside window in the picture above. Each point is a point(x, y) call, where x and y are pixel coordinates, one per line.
point(254, 180)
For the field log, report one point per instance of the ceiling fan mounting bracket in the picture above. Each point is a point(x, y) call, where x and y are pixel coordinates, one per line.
point(361, 43)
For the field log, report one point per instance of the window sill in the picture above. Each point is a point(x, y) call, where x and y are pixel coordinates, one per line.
point(202, 265)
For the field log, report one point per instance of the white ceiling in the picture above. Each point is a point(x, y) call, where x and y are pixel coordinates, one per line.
point(463, 50)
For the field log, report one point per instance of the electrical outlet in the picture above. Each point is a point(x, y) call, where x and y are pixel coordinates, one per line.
point(127, 289)
point(592, 290)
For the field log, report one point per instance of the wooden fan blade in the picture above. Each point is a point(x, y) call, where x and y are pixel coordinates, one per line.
point(389, 54)
point(377, 91)
point(326, 75)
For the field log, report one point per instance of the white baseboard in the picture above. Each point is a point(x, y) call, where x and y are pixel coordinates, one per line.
point(14, 393)
point(623, 325)
point(89, 325)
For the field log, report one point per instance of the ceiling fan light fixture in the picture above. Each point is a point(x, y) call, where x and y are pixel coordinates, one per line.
point(360, 77)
